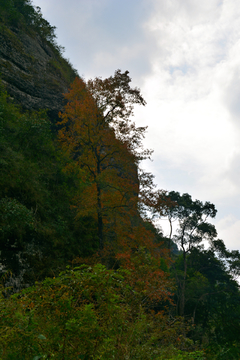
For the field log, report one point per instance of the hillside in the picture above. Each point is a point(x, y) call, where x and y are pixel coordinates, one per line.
point(33, 69)
point(37, 228)
point(49, 214)
point(84, 271)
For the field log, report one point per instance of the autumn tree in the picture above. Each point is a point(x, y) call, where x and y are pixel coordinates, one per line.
point(98, 134)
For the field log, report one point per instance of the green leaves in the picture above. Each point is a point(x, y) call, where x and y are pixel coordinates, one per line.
point(21, 13)
point(38, 231)
point(14, 215)
point(87, 312)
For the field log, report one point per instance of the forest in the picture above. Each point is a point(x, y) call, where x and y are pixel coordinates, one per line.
point(84, 271)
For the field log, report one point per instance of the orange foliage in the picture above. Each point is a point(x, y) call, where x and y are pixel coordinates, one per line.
point(98, 136)
point(106, 162)
point(147, 262)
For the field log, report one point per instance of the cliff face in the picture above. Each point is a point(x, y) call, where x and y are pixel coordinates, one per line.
point(33, 71)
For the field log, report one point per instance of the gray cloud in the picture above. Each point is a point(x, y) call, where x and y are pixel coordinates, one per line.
point(233, 172)
point(231, 95)
point(101, 36)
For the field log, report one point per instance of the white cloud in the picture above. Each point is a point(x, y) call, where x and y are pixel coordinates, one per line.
point(193, 103)
point(229, 231)
point(101, 36)
point(183, 89)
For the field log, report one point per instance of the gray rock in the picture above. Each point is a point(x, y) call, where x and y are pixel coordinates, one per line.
point(33, 71)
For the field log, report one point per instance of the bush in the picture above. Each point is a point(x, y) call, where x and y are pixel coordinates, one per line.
point(85, 313)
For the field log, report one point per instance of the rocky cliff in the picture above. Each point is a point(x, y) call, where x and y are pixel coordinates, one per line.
point(33, 70)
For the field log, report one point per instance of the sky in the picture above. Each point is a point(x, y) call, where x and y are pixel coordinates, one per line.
point(184, 55)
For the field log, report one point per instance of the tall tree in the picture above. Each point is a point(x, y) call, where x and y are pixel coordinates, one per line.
point(97, 132)
point(192, 229)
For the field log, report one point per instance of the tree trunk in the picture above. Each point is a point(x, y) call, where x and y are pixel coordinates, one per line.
point(183, 287)
point(100, 218)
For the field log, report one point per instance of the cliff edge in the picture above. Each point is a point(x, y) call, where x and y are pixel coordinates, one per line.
point(32, 68)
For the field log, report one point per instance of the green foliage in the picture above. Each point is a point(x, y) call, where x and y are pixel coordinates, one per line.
point(85, 313)
point(26, 18)
point(224, 352)
point(172, 353)
point(92, 312)
point(23, 14)
point(38, 230)
point(212, 303)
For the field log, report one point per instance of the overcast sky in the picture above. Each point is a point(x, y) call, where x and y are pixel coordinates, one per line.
point(185, 57)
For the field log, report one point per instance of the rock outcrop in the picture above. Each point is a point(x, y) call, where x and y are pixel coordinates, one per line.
point(33, 71)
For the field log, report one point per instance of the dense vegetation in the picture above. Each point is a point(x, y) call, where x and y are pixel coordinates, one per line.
point(84, 272)
point(21, 14)
point(19, 17)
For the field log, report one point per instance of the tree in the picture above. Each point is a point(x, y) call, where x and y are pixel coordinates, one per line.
point(159, 203)
point(98, 134)
point(193, 227)
point(212, 301)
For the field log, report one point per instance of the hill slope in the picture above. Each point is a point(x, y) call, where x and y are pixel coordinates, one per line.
point(31, 64)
